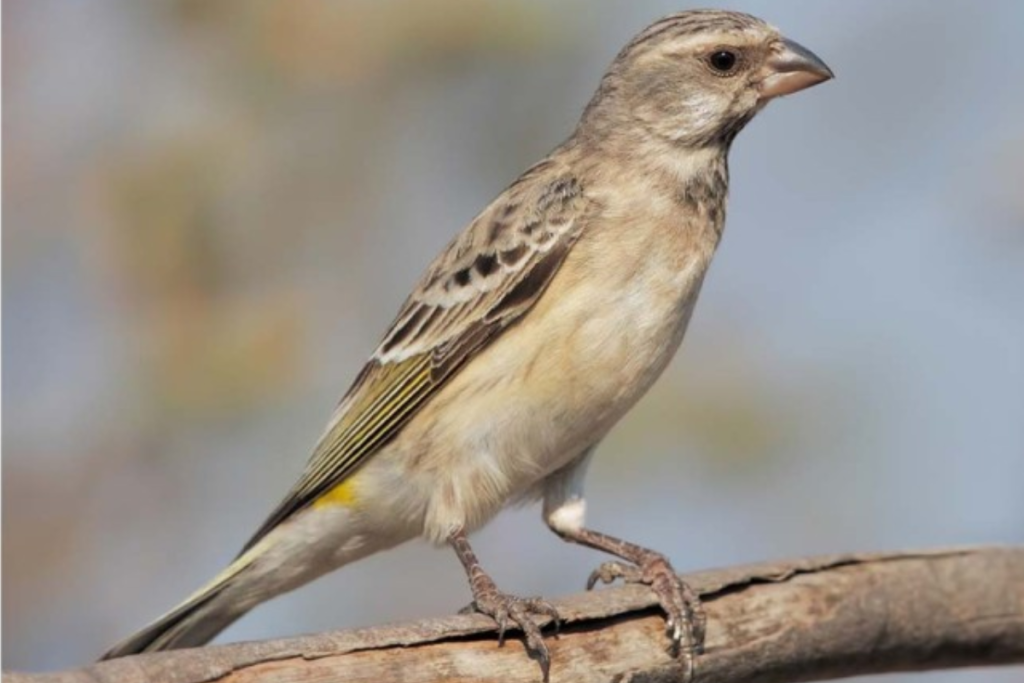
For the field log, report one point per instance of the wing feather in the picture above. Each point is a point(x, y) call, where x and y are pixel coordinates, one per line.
point(484, 281)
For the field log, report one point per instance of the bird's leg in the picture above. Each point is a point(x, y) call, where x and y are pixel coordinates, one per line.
point(686, 618)
point(565, 512)
point(502, 607)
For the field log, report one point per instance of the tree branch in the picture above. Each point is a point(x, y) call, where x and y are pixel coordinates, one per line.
point(799, 620)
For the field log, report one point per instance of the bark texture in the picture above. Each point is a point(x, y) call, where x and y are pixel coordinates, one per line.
point(797, 620)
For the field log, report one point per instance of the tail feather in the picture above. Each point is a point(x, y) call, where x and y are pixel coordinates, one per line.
point(194, 622)
point(309, 545)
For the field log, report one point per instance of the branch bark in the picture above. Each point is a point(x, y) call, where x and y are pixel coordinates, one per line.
point(799, 620)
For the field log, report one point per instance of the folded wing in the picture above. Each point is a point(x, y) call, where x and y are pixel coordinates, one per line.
point(483, 282)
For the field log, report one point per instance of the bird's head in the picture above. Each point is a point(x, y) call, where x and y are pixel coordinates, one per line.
point(697, 77)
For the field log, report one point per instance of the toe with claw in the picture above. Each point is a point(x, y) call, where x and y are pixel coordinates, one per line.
point(686, 620)
point(508, 610)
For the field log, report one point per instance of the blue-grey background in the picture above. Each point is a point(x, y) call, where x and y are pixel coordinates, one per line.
point(213, 209)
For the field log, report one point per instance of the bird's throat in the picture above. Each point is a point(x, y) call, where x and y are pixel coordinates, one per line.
point(704, 187)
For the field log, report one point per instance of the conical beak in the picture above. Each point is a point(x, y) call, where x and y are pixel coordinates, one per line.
point(791, 68)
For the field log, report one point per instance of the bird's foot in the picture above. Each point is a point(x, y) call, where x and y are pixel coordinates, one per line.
point(509, 610)
point(686, 620)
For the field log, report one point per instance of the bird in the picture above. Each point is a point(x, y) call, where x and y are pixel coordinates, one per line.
point(527, 339)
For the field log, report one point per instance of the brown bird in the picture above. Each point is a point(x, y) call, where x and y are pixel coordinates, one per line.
point(528, 338)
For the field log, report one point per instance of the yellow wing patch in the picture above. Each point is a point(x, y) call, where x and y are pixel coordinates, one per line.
point(384, 397)
point(344, 494)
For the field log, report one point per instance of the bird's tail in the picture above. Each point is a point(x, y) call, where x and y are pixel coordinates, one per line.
point(194, 622)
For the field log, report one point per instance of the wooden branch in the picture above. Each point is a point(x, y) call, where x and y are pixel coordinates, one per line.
point(800, 620)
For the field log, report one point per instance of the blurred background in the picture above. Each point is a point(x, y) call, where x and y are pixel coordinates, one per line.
point(212, 209)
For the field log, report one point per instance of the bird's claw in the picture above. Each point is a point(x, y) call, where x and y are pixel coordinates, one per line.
point(686, 621)
point(509, 610)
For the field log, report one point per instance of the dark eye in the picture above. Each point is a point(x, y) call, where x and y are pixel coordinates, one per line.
point(723, 61)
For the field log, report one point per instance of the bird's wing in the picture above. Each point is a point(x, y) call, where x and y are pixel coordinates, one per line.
point(485, 280)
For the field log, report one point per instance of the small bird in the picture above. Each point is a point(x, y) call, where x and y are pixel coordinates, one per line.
point(535, 330)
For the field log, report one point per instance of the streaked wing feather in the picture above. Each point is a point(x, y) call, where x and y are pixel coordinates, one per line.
point(485, 280)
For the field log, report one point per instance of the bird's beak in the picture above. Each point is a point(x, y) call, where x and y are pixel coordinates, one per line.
point(791, 68)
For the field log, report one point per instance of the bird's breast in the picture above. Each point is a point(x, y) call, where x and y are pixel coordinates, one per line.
point(608, 324)
point(632, 310)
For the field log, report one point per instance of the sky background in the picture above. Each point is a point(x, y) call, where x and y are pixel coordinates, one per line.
point(213, 209)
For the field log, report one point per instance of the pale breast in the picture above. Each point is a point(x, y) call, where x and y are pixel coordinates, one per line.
point(635, 289)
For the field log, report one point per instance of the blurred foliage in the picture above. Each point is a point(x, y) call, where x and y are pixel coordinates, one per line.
point(209, 344)
point(325, 44)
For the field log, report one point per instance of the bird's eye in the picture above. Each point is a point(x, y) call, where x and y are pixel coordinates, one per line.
point(723, 61)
